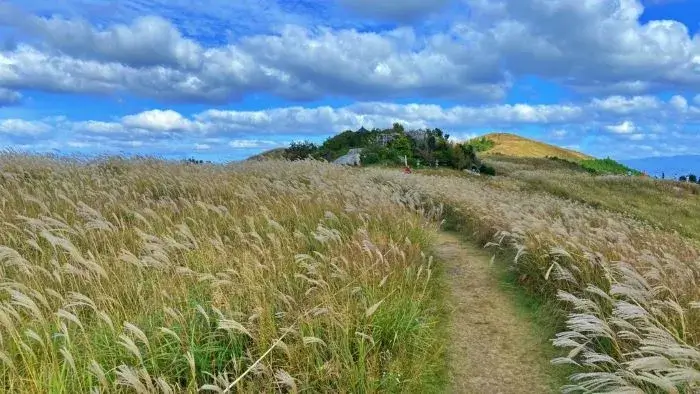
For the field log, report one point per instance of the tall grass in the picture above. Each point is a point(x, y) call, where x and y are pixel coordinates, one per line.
point(146, 276)
point(630, 291)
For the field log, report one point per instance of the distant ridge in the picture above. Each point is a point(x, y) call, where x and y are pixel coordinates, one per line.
point(277, 153)
point(514, 145)
point(669, 166)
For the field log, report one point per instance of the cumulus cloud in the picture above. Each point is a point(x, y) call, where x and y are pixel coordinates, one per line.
point(159, 121)
point(625, 127)
point(679, 103)
point(622, 105)
point(610, 123)
point(146, 41)
point(23, 128)
point(247, 144)
point(476, 58)
point(591, 45)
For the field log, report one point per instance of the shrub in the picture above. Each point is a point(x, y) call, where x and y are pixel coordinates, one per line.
point(482, 144)
point(300, 150)
point(487, 170)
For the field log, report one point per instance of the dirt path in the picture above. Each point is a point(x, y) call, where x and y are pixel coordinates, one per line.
point(493, 350)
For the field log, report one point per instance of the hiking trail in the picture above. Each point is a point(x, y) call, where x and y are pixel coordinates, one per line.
point(493, 349)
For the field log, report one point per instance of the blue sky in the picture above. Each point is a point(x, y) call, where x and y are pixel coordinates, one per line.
point(223, 80)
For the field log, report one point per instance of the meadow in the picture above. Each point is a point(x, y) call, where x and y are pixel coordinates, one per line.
point(617, 257)
point(148, 276)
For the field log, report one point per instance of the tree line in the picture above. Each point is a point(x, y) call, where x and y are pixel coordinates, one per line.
point(391, 146)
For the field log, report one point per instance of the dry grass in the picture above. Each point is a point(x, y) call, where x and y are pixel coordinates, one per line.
point(631, 290)
point(147, 276)
point(144, 276)
point(516, 146)
point(667, 204)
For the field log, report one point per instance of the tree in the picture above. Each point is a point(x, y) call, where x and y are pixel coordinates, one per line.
point(398, 127)
point(682, 178)
point(431, 141)
point(692, 178)
point(400, 147)
point(300, 150)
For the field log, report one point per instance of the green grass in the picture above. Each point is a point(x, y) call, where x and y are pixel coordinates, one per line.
point(607, 166)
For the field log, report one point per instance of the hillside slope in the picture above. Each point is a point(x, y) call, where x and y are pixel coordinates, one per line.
point(277, 153)
point(514, 145)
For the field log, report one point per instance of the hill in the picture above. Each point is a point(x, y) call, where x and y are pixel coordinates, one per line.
point(423, 148)
point(515, 145)
point(277, 153)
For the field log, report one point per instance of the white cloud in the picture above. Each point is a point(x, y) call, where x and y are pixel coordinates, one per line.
point(622, 105)
point(146, 41)
point(23, 128)
point(558, 133)
point(98, 127)
point(679, 103)
point(625, 127)
point(159, 121)
point(606, 129)
point(247, 144)
point(78, 144)
point(608, 49)
point(476, 58)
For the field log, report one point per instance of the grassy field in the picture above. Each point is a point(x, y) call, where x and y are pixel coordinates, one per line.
point(666, 204)
point(275, 276)
point(630, 289)
point(154, 277)
point(617, 255)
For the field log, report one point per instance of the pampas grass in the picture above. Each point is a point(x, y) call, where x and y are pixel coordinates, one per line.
point(630, 289)
point(148, 276)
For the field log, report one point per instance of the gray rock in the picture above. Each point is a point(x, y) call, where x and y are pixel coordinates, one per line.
point(352, 158)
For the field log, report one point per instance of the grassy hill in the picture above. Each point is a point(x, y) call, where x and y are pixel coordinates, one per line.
point(272, 154)
point(517, 146)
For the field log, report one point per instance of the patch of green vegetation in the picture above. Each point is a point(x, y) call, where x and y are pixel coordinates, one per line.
point(607, 166)
point(482, 144)
point(395, 146)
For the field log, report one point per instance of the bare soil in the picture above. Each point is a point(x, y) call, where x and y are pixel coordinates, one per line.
point(494, 349)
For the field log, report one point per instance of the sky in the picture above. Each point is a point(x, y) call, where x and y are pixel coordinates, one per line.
point(222, 80)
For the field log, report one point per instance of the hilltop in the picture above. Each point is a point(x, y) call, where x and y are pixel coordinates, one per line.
point(424, 148)
point(514, 145)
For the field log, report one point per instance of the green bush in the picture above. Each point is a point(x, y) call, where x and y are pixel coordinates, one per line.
point(300, 150)
point(487, 170)
point(482, 144)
